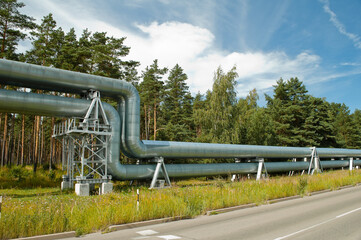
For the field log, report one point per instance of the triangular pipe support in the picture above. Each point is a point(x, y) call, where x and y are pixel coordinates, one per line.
point(160, 166)
point(261, 167)
point(315, 163)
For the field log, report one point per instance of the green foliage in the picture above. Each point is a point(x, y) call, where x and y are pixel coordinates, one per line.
point(288, 108)
point(300, 119)
point(151, 94)
point(254, 125)
point(18, 172)
point(219, 115)
point(47, 40)
point(346, 127)
point(12, 26)
point(177, 109)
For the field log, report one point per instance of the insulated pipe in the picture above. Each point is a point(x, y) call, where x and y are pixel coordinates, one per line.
point(49, 105)
point(39, 77)
point(26, 75)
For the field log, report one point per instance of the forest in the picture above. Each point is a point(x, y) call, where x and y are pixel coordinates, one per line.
point(291, 116)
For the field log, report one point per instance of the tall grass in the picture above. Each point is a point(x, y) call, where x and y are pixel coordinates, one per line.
point(48, 210)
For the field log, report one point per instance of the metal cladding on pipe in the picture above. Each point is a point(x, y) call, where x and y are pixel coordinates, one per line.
point(34, 76)
point(126, 124)
point(337, 152)
point(357, 162)
point(191, 170)
point(48, 105)
point(214, 150)
point(41, 104)
point(286, 166)
point(335, 164)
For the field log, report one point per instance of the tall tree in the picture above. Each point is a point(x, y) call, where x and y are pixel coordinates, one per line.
point(318, 126)
point(102, 55)
point(219, 117)
point(12, 24)
point(356, 117)
point(346, 131)
point(253, 125)
point(151, 93)
point(68, 58)
point(47, 43)
point(177, 106)
point(200, 104)
point(288, 109)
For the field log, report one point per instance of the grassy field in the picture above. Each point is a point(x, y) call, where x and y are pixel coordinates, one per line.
point(35, 211)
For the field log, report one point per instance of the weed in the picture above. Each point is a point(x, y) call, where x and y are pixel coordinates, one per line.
point(302, 185)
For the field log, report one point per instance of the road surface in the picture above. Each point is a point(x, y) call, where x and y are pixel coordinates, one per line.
point(332, 215)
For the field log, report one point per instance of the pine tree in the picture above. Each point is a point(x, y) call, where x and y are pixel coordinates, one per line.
point(151, 93)
point(346, 131)
point(102, 55)
point(199, 107)
point(177, 107)
point(356, 117)
point(47, 43)
point(318, 126)
point(288, 109)
point(12, 22)
point(68, 58)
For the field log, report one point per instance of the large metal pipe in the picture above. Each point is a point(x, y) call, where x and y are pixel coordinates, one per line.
point(38, 77)
point(49, 105)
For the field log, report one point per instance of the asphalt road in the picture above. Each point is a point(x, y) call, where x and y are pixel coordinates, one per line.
point(332, 215)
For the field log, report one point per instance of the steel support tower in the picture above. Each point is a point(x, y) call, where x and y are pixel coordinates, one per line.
point(85, 149)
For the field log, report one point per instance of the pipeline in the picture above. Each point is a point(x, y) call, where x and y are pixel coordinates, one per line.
point(125, 122)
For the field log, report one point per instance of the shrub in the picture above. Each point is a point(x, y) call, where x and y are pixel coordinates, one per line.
point(19, 173)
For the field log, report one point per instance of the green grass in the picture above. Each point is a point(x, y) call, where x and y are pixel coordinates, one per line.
point(29, 212)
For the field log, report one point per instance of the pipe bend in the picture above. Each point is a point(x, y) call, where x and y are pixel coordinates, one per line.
point(127, 131)
point(48, 105)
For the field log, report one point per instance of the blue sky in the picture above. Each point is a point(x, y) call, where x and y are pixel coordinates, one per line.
point(317, 41)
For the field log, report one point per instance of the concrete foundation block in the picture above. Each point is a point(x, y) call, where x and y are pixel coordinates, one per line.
point(65, 185)
point(82, 189)
point(106, 188)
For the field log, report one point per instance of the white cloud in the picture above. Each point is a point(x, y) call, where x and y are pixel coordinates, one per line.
point(340, 27)
point(193, 48)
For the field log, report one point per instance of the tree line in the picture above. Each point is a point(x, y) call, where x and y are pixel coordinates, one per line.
point(291, 117)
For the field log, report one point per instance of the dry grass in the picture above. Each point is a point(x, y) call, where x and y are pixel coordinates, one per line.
point(48, 210)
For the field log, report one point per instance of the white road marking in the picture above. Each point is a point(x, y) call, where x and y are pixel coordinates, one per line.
point(303, 230)
point(319, 224)
point(169, 237)
point(357, 209)
point(147, 232)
